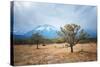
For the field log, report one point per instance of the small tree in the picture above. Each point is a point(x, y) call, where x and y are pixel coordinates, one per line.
point(37, 38)
point(72, 34)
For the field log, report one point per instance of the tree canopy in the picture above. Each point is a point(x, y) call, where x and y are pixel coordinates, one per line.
point(72, 34)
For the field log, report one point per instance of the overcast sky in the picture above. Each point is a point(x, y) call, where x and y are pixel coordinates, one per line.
point(28, 15)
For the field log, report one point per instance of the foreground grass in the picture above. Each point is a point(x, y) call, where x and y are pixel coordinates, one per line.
point(53, 53)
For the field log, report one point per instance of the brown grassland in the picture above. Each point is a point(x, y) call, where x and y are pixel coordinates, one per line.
point(54, 53)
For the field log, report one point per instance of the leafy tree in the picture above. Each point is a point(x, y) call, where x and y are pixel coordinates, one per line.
point(37, 39)
point(72, 34)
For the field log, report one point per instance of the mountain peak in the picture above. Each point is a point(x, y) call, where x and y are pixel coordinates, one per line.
point(45, 27)
point(46, 30)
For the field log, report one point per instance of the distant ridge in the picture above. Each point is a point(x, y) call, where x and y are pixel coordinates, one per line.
point(48, 31)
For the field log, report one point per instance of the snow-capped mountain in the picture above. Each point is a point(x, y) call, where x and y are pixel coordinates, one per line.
point(48, 31)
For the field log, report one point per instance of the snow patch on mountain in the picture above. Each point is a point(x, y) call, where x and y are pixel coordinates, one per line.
point(48, 31)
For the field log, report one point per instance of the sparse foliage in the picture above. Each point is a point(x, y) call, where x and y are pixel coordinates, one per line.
point(37, 38)
point(72, 34)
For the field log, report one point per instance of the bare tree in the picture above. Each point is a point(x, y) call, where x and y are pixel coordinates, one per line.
point(72, 34)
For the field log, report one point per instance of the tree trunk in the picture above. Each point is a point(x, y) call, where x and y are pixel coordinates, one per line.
point(37, 45)
point(71, 48)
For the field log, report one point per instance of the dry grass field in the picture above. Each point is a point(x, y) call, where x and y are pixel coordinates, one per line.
point(54, 53)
